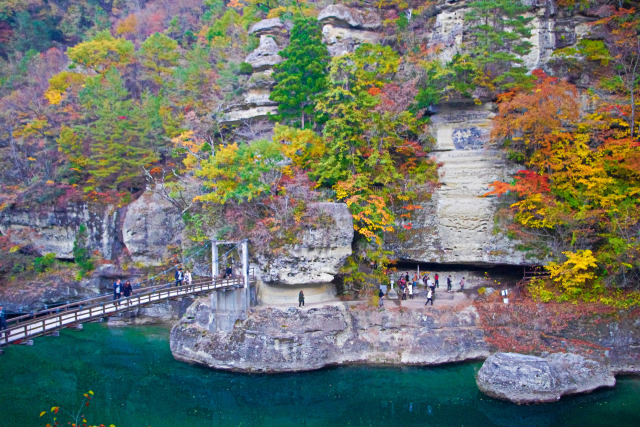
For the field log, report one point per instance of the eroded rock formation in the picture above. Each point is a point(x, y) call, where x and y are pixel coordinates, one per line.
point(150, 226)
point(320, 252)
point(456, 226)
point(53, 229)
point(286, 340)
point(522, 378)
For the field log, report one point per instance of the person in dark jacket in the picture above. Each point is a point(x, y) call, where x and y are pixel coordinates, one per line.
point(3, 322)
point(127, 290)
point(179, 276)
point(117, 289)
point(301, 299)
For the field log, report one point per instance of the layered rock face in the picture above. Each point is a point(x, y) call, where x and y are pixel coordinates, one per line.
point(521, 378)
point(313, 262)
point(343, 29)
point(54, 229)
point(150, 225)
point(457, 225)
point(321, 250)
point(277, 340)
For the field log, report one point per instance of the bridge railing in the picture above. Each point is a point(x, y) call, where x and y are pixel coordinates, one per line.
point(141, 291)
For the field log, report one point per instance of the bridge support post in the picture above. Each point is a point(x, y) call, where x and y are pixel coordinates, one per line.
point(215, 268)
point(245, 272)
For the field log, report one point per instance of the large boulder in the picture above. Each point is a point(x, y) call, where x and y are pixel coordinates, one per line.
point(287, 340)
point(520, 378)
point(339, 14)
point(270, 26)
point(319, 253)
point(345, 28)
point(150, 226)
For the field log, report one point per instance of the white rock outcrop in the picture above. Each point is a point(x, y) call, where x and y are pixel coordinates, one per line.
point(345, 28)
point(150, 225)
point(457, 225)
point(320, 253)
point(265, 55)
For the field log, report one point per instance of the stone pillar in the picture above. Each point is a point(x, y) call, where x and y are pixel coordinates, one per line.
point(215, 268)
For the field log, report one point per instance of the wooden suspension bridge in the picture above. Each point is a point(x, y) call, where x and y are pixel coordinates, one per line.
point(23, 328)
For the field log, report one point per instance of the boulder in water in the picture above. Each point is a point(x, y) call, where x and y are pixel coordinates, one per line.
point(521, 378)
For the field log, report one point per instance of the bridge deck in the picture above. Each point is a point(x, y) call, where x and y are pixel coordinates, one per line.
point(47, 321)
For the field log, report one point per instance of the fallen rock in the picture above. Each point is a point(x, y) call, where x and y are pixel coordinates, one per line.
point(521, 378)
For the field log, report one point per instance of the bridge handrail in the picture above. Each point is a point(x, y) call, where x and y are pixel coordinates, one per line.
point(93, 302)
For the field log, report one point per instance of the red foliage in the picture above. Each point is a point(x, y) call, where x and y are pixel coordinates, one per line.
point(526, 326)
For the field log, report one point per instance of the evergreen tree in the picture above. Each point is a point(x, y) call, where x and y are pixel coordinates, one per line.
point(500, 34)
point(301, 77)
point(116, 137)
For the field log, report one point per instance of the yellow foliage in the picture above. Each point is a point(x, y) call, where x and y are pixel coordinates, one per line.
point(576, 272)
point(59, 83)
point(128, 25)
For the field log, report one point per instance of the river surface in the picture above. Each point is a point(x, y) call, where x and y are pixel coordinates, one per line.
point(137, 382)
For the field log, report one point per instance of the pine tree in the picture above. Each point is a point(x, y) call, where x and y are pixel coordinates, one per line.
point(301, 77)
point(116, 137)
point(500, 34)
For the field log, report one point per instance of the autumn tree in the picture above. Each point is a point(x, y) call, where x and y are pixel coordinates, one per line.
point(301, 77)
point(578, 195)
point(373, 157)
point(621, 33)
point(113, 141)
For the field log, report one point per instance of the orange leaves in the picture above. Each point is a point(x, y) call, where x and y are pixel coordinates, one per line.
point(525, 183)
point(534, 115)
point(499, 188)
point(374, 91)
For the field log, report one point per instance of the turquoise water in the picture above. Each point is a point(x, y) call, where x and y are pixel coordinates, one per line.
point(138, 383)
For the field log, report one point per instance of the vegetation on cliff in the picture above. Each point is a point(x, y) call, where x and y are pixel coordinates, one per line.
point(99, 99)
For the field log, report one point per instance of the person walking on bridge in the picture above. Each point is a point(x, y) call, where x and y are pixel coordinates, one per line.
point(117, 289)
point(187, 278)
point(3, 322)
point(127, 289)
point(179, 276)
point(301, 299)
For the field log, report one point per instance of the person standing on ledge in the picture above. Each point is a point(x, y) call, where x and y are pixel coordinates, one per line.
point(429, 297)
point(449, 283)
point(437, 279)
point(301, 299)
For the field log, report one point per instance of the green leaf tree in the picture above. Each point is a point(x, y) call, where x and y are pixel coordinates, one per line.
point(302, 77)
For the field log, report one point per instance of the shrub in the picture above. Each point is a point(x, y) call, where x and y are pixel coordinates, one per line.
point(245, 68)
point(44, 263)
